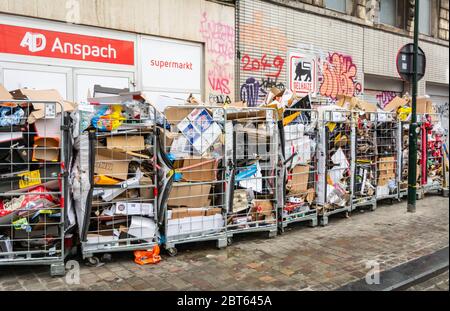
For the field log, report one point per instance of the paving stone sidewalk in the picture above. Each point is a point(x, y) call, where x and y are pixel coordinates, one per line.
point(303, 258)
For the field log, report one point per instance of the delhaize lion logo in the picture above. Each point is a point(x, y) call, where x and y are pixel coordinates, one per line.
point(34, 41)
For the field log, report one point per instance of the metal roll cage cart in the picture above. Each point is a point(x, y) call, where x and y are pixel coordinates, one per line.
point(336, 134)
point(364, 168)
point(404, 151)
point(433, 163)
point(193, 159)
point(33, 183)
point(298, 136)
point(388, 156)
point(252, 171)
point(121, 208)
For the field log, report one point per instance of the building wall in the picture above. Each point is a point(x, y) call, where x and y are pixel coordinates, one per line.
point(208, 22)
point(368, 47)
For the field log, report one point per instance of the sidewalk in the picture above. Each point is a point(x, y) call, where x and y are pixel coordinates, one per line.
point(303, 258)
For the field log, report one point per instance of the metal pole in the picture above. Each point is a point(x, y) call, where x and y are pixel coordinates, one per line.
point(412, 159)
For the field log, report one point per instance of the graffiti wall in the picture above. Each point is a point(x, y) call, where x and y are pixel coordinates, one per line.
point(219, 38)
point(268, 34)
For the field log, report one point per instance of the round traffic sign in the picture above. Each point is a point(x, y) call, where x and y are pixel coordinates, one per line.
point(405, 63)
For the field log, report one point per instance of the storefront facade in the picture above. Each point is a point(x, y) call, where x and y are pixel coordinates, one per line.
point(146, 45)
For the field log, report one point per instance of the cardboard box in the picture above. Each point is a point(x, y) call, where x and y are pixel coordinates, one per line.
point(177, 213)
point(142, 228)
point(46, 149)
point(347, 102)
point(395, 104)
point(203, 170)
point(385, 178)
point(146, 192)
point(387, 163)
point(262, 207)
point(196, 212)
point(40, 108)
point(300, 178)
point(4, 94)
point(424, 105)
point(126, 143)
point(127, 208)
point(189, 195)
point(112, 163)
point(191, 225)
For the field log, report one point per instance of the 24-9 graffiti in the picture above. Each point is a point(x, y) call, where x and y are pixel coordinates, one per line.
point(263, 64)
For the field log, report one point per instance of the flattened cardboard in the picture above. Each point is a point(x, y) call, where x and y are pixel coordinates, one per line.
point(395, 103)
point(4, 94)
point(263, 207)
point(126, 143)
point(112, 163)
point(175, 115)
point(178, 213)
point(203, 171)
point(189, 195)
point(300, 178)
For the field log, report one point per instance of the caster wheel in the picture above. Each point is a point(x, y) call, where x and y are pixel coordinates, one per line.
point(106, 258)
point(92, 261)
point(280, 231)
point(172, 251)
point(229, 241)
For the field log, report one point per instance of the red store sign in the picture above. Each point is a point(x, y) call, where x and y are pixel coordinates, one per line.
point(45, 43)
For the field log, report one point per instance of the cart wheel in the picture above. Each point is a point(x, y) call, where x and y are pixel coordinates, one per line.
point(106, 258)
point(172, 251)
point(229, 241)
point(93, 261)
point(280, 230)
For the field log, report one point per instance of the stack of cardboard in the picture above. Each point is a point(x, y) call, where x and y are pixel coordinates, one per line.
point(31, 149)
point(124, 172)
point(193, 141)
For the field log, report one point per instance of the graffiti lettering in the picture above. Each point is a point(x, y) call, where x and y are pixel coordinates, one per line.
point(250, 92)
point(385, 97)
point(442, 109)
point(339, 77)
point(219, 78)
point(263, 64)
point(219, 99)
point(219, 38)
point(253, 92)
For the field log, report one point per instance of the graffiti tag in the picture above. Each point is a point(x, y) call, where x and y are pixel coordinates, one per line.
point(339, 77)
point(385, 97)
point(219, 38)
point(263, 64)
point(254, 91)
point(219, 78)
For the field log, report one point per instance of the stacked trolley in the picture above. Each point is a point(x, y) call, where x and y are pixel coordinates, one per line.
point(121, 212)
point(299, 147)
point(252, 168)
point(433, 169)
point(364, 167)
point(388, 146)
point(33, 183)
point(334, 163)
point(192, 155)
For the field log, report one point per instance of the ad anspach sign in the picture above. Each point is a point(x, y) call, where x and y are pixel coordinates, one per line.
point(46, 43)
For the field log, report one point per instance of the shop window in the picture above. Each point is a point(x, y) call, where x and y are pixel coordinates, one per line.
point(393, 12)
point(425, 17)
point(336, 5)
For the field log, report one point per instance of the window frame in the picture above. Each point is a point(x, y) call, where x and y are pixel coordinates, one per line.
point(335, 10)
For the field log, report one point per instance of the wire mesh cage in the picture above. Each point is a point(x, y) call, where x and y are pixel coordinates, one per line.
point(388, 158)
point(33, 183)
point(336, 134)
point(193, 144)
point(121, 211)
point(364, 172)
point(252, 170)
point(433, 166)
point(300, 165)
